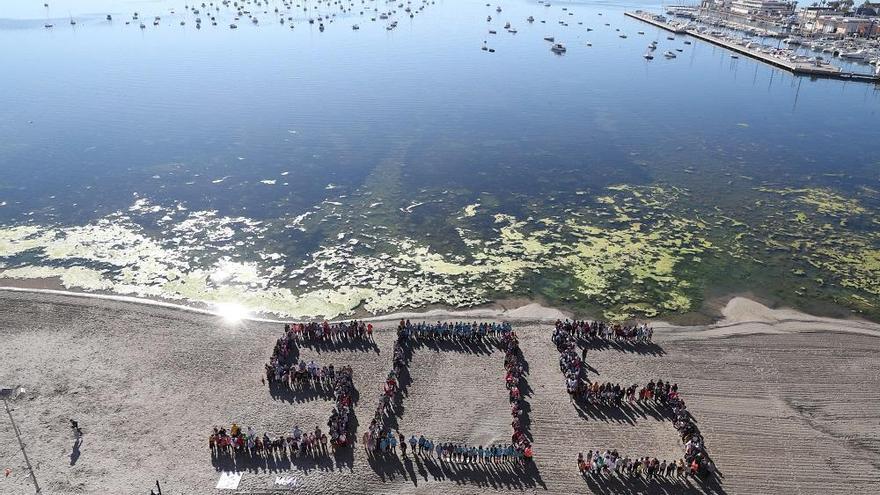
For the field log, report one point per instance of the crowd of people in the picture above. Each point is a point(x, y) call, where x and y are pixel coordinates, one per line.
point(570, 362)
point(616, 332)
point(236, 441)
point(285, 370)
point(660, 393)
point(379, 437)
point(302, 376)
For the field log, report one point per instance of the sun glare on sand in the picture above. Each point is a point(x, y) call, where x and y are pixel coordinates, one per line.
point(231, 312)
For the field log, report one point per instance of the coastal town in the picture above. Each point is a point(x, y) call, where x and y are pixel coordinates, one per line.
point(828, 39)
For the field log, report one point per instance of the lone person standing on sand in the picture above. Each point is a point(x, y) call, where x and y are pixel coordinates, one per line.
point(75, 427)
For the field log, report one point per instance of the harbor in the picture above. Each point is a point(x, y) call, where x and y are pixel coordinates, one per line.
point(798, 65)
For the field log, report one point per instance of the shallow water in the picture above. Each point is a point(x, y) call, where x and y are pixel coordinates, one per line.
point(314, 173)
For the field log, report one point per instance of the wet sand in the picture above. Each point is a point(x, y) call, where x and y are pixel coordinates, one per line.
point(788, 403)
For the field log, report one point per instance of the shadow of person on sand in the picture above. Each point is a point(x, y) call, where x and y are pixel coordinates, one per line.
point(626, 412)
point(499, 476)
point(643, 348)
point(482, 346)
point(279, 391)
point(75, 452)
point(339, 345)
point(633, 485)
point(280, 462)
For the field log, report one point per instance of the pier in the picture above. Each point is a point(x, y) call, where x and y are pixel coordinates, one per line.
point(798, 68)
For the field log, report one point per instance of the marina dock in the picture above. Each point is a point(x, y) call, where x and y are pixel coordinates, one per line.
point(797, 68)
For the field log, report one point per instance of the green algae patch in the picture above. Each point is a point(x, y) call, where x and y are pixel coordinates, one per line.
point(470, 210)
point(628, 251)
point(824, 201)
point(71, 277)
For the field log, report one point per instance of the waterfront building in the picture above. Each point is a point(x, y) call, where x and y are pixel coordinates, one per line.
point(845, 25)
point(766, 8)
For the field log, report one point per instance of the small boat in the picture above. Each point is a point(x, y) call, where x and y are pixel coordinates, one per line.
point(734, 56)
point(687, 42)
point(511, 31)
point(551, 39)
point(679, 50)
point(355, 27)
point(530, 19)
point(47, 25)
point(506, 25)
point(669, 54)
point(641, 32)
point(109, 17)
point(648, 56)
point(855, 55)
point(671, 38)
point(557, 48)
point(143, 26)
point(498, 9)
point(489, 18)
point(492, 31)
point(484, 48)
point(491, 50)
point(623, 36)
point(231, 26)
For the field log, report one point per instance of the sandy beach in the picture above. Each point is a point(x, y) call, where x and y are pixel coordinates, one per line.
point(788, 402)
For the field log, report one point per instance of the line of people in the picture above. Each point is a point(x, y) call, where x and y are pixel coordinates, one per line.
point(329, 332)
point(514, 365)
point(610, 463)
point(379, 439)
point(299, 377)
point(461, 453)
point(570, 362)
point(616, 332)
point(613, 394)
point(453, 330)
point(234, 441)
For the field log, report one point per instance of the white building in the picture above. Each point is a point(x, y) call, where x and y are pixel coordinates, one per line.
point(768, 8)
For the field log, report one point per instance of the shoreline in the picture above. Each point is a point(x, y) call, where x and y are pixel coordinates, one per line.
point(739, 315)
